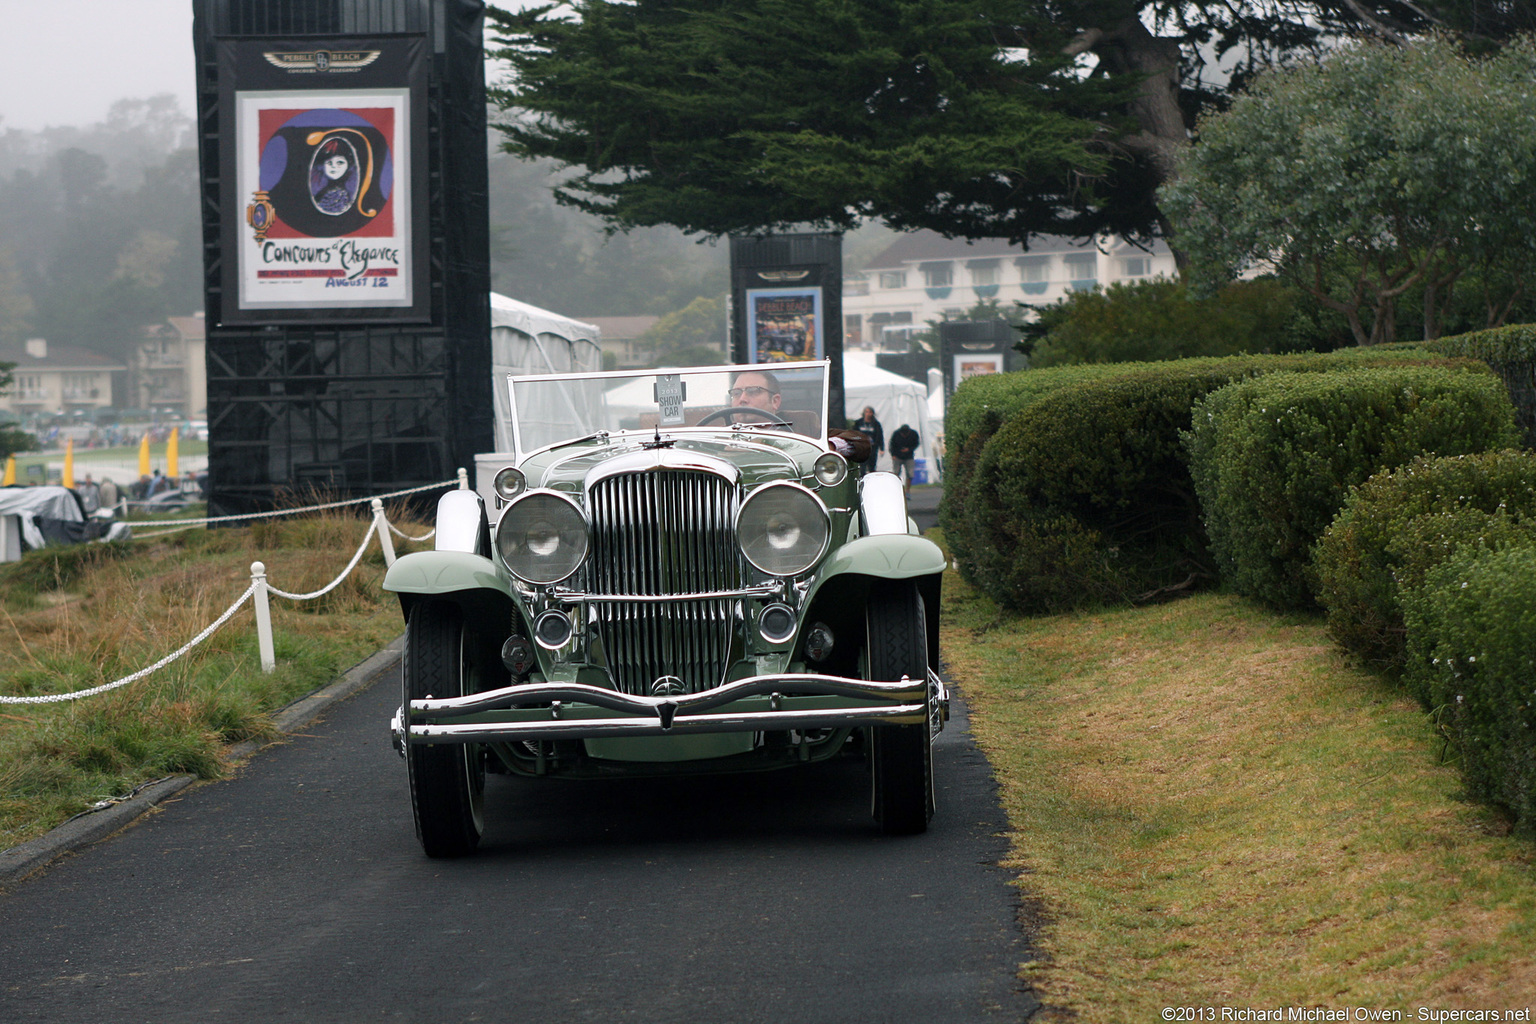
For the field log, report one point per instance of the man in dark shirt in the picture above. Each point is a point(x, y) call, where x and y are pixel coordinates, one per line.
point(904, 454)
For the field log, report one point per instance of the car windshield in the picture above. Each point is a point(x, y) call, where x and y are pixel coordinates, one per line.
point(549, 410)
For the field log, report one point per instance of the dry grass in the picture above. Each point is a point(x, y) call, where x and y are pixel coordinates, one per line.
point(79, 617)
point(1212, 808)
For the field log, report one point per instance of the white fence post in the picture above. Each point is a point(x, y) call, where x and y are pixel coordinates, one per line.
point(263, 617)
point(463, 479)
point(382, 525)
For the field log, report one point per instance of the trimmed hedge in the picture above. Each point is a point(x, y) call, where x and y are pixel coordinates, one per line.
point(1274, 457)
point(1397, 526)
point(1511, 352)
point(1472, 645)
point(1014, 553)
point(1083, 496)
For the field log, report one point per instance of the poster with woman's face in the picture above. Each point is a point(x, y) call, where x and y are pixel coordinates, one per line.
point(326, 178)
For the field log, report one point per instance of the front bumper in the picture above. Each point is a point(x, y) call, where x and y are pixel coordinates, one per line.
point(546, 711)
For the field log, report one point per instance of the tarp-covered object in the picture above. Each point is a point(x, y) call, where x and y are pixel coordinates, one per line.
point(525, 340)
point(49, 515)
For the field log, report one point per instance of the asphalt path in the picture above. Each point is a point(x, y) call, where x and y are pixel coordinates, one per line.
point(296, 892)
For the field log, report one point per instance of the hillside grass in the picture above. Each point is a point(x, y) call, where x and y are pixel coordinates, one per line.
point(1210, 807)
point(76, 617)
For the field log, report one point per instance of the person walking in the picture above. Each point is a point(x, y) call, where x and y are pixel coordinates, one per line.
point(870, 428)
point(904, 455)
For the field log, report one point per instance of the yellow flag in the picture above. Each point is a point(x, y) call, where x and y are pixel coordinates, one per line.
point(144, 456)
point(10, 472)
point(171, 453)
point(69, 464)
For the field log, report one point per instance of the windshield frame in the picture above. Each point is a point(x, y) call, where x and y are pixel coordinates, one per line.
point(522, 448)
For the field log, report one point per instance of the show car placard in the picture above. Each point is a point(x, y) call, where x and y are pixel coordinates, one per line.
point(327, 217)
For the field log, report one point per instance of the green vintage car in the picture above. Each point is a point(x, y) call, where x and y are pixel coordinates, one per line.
point(673, 571)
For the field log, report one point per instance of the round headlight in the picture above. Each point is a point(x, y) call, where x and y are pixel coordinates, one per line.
point(542, 537)
point(783, 529)
point(509, 483)
point(830, 469)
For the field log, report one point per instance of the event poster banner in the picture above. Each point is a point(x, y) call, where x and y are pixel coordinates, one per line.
point(325, 145)
point(783, 325)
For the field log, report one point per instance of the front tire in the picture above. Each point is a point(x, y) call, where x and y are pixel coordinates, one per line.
point(901, 756)
point(447, 779)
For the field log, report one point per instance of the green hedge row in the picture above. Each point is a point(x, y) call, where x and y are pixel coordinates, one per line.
point(1398, 525)
point(1274, 457)
point(1070, 485)
point(1472, 658)
point(1511, 352)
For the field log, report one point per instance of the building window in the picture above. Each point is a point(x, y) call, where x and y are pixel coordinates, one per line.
point(985, 272)
point(893, 279)
point(1082, 272)
point(856, 284)
point(985, 277)
point(1137, 266)
point(937, 278)
point(1034, 274)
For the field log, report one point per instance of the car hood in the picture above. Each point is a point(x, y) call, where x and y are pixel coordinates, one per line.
point(757, 455)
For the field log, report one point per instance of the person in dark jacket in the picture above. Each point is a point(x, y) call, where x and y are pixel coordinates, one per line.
point(904, 454)
point(870, 428)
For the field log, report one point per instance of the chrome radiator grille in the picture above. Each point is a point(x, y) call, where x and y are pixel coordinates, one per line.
point(657, 533)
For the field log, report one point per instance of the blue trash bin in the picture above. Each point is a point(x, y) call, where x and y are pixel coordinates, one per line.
point(919, 471)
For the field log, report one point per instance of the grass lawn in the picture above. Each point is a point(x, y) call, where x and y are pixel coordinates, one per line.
point(1211, 808)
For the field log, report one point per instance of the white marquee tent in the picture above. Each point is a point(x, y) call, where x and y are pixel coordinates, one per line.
point(896, 400)
point(526, 339)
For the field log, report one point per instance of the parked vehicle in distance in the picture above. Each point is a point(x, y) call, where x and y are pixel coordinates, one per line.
point(672, 572)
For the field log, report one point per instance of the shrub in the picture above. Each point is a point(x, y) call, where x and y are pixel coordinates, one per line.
point(1083, 496)
point(954, 507)
point(1472, 642)
point(1397, 526)
point(1158, 320)
point(1511, 352)
point(1274, 457)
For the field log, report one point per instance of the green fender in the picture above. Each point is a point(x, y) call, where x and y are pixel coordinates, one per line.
point(892, 556)
point(475, 583)
point(837, 593)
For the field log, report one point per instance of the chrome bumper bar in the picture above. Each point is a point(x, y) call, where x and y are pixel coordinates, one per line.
point(578, 710)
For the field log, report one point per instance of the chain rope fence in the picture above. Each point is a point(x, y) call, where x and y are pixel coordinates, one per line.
point(259, 589)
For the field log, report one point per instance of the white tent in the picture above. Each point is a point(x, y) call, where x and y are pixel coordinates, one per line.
point(526, 339)
point(896, 400)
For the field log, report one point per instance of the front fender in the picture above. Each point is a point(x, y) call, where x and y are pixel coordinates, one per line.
point(838, 593)
point(892, 556)
point(475, 583)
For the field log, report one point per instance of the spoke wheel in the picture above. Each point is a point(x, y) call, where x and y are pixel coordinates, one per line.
point(901, 756)
point(447, 779)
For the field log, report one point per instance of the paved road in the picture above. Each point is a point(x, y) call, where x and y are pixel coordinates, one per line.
point(296, 892)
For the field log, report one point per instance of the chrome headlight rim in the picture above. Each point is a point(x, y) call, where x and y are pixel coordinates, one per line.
point(509, 482)
point(513, 518)
point(830, 469)
point(819, 520)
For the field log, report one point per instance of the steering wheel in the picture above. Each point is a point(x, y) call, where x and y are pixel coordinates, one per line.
point(731, 410)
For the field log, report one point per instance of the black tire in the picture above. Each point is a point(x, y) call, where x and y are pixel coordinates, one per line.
point(901, 756)
point(447, 779)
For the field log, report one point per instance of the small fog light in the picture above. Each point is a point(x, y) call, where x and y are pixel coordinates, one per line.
point(777, 623)
point(517, 655)
point(552, 629)
point(818, 642)
point(509, 483)
point(831, 469)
